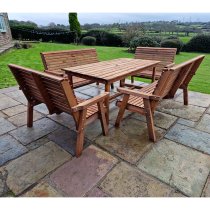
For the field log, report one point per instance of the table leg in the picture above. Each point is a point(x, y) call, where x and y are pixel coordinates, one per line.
point(107, 89)
point(153, 74)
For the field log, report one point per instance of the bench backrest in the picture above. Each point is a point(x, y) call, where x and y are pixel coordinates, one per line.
point(172, 78)
point(165, 55)
point(39, 87)
point(184, 79)
point(56, 60)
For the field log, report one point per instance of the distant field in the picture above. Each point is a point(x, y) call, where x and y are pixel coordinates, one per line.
point(31, 58)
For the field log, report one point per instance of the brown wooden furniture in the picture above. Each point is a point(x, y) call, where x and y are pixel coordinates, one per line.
point(58, 96)
point(164, 55)
point(54, 61)
point(184, 82)
point(145, 100)
point(107, 72)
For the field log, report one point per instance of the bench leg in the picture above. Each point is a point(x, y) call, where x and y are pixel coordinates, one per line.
point(121, 110)
point(112, 86)
point(153, 74)
point(97, 83)
point(102, 117)
point(80, 132)
point(185, 96)
point(150, 121)
point(30, 115)
point(132, 79)
point(122, 83)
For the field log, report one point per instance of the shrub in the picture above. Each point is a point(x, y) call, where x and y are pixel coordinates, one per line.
point(26, 45)
point(105, 38)
point(199, 43)
point(172, 43)
point(132, 31)
point(142, 41)
point(17, 45)
point(89, 40)
point(158, 39)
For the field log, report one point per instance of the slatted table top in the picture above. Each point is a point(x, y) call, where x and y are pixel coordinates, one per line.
point(112, 70)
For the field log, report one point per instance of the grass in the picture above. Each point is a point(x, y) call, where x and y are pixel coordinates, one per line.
point(31, 58)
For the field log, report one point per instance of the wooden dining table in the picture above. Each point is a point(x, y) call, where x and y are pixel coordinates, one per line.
point(108, 72)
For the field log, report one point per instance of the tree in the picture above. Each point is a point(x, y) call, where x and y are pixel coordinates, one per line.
point(74, 25)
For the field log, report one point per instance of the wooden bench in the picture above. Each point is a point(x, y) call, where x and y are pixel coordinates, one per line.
point(54, 61)
point(165, 55)
point(59, 97)
point(184, 81)
point(145, 100)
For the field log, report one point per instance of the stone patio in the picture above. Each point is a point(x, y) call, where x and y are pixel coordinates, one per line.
point(40, 161)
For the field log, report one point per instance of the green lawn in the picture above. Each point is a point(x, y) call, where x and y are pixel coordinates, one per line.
point(31, 58)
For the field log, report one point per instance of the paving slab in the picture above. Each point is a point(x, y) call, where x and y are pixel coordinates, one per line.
point(10, 149)
point(113, 115)
point(197, 99)
point(7, 102)
point(190, 137)
point(66, 139)
point(42, 189)
point(21, 118)
point(206, 191)
point(94, 129)
point(82, 96)
point(65, 119)
point(5, 126)
point(80, 89)
point(96, 192)
point(2, 115)
point(189, 112)
point(42, 108)
point(31, 167)
point(35, 144)
point(204, 124)
point(161, 120)
point(93, 91)
point(17, 96)
point(188, 123)
point(78, 176)
point(15, 110)
point(127, 181)
point(208, 111)
point(10, 89)
point(178, 166)
point(3, 186)
point(40, 128)
point(130, 141)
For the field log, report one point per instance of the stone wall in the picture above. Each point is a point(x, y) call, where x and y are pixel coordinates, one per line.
point(5, 37)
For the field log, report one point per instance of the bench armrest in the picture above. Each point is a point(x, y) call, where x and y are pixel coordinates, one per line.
point(169, 65)
point(90, 102)
point(138, 94)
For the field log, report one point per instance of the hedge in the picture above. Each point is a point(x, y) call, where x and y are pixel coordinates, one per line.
point(46, 35)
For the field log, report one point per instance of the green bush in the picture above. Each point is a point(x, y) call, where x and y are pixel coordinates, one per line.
point(172, 43)
point(89, 40)
point(26, 45)
point(104, 38)
point(142, 41)
point(199, 43)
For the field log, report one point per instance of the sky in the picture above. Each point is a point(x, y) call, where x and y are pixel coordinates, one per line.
point(106, 18)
